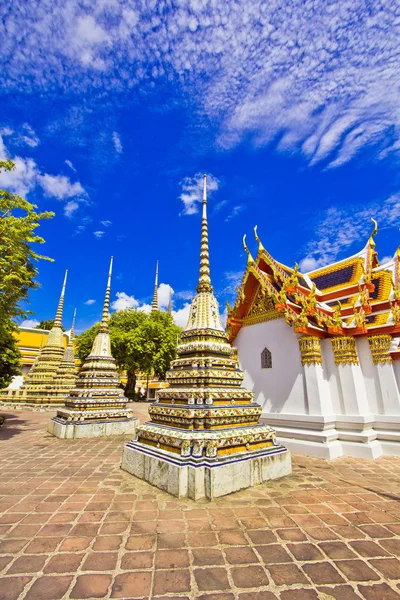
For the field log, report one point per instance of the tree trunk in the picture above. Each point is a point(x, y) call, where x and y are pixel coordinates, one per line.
point(131, 381)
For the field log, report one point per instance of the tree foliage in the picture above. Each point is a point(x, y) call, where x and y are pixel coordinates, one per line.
point(46, 324)
point(139, 342)
point(18, 223)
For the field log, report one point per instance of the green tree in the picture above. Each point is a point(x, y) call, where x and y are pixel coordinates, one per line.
point(18, 223)
point(139, 343)
point(46, 324)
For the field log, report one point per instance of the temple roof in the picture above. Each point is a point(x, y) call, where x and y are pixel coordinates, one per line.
point(353, 296)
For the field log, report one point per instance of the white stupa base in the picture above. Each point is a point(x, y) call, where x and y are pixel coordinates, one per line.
point(199, 478)
point(70, 430)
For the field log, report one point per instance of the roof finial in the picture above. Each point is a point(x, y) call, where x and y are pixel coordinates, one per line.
point(154, 304)
point(105, 316)
point(71, 333)
point(250, 259)
point(260, 246)
point(58, 319)
point(204, 277)
point(374, 232)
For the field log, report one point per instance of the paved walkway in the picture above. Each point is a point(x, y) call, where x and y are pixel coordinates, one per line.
point(73, 525)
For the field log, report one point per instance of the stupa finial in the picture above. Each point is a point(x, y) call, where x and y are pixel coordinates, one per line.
point(104, 318)
point(170, 302)
point(204, 278)
point(154, 304)
point(58, 319)
point(71, 334)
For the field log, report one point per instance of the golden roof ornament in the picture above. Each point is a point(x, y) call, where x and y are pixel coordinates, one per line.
point(260, 246)
point(250, 259)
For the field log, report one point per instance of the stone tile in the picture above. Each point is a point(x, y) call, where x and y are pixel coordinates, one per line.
point(169, 559)
point(43, 545)
point(388, 567)
point(12, 545)
point(249, 577)
point(220, 596)
point(27, 563)
point(299, 594)
point(4, 561)
point(91, 586)
point(368, 549)
point(356, 570)
point(240, 556)
point(392, 546)
point(49, 588)
point(140, 542)
point(11, 587)
point(337, 550)
point(137, 560)
point(262, 536)
point(305, 552)
point(210, 579)
point(210, 556)
point(54, 530)
point(381, 591)
point(322, 573)
point(376, 531)
point(100, 561)
point(202, 540)
point(264, 595)
point(339, 592)
point(132, 585)
point(174, 540)
point(171, 581)
point(292, 535)
point(287, 574)
point(274, 554)
point(107, 542)
point(64, 563)
point(74, 544)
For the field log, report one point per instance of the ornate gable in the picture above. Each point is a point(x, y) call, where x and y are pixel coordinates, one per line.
point(261, 309)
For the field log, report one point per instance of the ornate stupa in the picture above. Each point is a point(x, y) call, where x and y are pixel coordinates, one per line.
point(154, 303)
point(39, 387)
point(96, 406)
point(66, 373)
point(204, 438)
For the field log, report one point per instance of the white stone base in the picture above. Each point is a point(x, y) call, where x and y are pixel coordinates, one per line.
point(204, 478)
point(90, 429)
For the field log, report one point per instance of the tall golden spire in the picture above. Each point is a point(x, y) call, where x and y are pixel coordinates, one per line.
point(204, 277)
point(154, 304)
point(104, 318)
point(58, 319)
point(71, 334)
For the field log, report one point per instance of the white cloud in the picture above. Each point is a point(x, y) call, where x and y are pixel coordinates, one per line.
point(124, 301)
point(164, 291)
point(192, 192)
point(236, 210)
point(98, 234)
point(22, 179)
point(181, 316)
point(106, 223)
point(29, 323)
point(117, 142)
point(30, 138)
point(60, 186)
point(337, 230)
point(89, 302)
point(70, 208)
point(71, 166)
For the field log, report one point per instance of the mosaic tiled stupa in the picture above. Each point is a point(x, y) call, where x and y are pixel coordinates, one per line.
point(96, 406)
point(204, 439)
point(66, 375)
point(40, 386)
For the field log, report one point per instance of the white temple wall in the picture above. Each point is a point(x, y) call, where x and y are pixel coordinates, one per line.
point(332, 376)
point(370, 375)
point(280, 389)
point(396, 369)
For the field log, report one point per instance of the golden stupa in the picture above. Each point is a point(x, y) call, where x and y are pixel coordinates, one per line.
point(96, 405)
point(204, 438)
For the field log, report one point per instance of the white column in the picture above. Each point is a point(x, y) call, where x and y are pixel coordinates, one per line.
point(380, 350)
point(354, 394)
point(318, 394)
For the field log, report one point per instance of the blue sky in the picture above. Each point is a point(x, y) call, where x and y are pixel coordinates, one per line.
point(112, 110)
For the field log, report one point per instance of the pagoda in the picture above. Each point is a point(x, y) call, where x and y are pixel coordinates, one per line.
point(40, 386)
point(204, 439)
point(96, 406)
point(66, 373)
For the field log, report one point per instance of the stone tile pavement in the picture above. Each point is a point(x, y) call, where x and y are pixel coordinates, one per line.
point(73, 525)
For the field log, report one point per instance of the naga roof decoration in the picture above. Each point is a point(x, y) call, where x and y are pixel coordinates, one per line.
point(355, 296)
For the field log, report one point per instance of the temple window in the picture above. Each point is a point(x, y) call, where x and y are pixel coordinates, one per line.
point(266, 359)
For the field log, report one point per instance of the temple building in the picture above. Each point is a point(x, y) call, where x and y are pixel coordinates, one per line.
point(96, 405)
point(204, 439)
point(320, 351)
